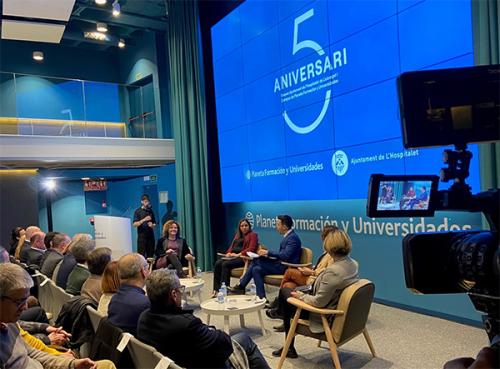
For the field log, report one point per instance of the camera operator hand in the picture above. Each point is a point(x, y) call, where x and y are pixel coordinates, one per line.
point(486, 359)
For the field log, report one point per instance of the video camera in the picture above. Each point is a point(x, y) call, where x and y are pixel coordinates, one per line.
point(439, 108)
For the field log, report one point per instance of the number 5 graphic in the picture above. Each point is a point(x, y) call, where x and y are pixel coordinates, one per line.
point(297, 46)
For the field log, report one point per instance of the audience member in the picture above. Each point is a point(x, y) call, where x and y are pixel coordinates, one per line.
point(244, 240)
point(17, 237)
point(64, 268)
point(295, 277)
point(327, 287)
point(80, 272)
point(183, 337)
point(35, 254)
point(110, 283)
point(15, 284)
point(130, 300)
point(96, 262)
point(54, 254)
point(4, 256)
point(22, 252)
point(172, 251)
point(269, 262)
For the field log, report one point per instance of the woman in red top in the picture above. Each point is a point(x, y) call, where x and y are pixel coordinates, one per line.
point(244, 240)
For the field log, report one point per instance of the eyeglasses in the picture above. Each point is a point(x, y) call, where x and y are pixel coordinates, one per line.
point(181, 289)
point(19, 303)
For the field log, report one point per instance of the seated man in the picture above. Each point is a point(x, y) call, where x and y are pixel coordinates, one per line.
point(15, 284)
point(67, 264)
point(181, 336)
point(81, 251)
point(35, 253)
point(269, 262)
point(54, 253)
point(420, 199)
point(130, 300)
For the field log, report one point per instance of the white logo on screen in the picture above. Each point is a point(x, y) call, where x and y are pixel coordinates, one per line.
point(249, 217)
point(297, 46)
point(340, 163)
point(248, 174)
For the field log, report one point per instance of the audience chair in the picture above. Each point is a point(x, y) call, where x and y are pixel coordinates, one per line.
point(306, 256)
point(45, 297)
point(59, 298)
point(146, 357)
point(95, 317)
point(350, 320)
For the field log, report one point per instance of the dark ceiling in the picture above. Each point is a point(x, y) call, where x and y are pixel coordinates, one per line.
point(137, 16)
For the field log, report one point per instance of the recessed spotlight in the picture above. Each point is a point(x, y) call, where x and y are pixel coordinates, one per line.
point(116, 8)
point(101, 2)
point(101, 27)
point(121, 43)
point(38, 55)
point(50, 184)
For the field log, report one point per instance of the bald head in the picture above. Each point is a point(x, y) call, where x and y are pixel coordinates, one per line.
point(37, 239)
point(132, 267)
point(30, 231)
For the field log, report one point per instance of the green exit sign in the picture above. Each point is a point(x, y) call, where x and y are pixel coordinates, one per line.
point(153, 178)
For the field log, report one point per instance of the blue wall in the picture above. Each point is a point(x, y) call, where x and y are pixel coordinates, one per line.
point(125, 187)
point(376, 244)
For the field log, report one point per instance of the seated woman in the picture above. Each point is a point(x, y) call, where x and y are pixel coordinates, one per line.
point(110, 283)
point(172, 251)
point(244, 240)
point(17, 238)
point(327, 287)
point(295, 277)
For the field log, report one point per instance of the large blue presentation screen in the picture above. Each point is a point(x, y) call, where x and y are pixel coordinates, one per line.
point(306, 95)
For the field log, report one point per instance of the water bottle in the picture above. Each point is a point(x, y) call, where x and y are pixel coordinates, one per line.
point(223, 289)
point(198, 272)
point(253, 291)
point(220, 298)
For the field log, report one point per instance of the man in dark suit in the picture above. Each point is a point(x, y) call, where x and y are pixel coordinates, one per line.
point(23, 253)
point(269, 262)
point(35, 254)
point(184, 338)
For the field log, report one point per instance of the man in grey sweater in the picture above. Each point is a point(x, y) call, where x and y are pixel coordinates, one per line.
point(15, 284)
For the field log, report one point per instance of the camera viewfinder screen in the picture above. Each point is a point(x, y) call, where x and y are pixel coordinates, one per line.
point(404, 195)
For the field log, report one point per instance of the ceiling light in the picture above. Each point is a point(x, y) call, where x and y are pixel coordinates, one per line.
point(121, 43)
point(50, 184)
point(38, 55)
point(101, 27)
point(101, 2)
point(96, 36)
point(116, 8)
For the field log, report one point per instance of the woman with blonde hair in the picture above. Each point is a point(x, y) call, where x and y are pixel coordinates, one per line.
point(172, 251)
point(327, 287)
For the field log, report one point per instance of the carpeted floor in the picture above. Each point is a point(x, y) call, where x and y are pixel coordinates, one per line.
point(402, 339)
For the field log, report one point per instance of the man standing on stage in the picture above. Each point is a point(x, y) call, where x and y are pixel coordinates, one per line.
point(144, 221)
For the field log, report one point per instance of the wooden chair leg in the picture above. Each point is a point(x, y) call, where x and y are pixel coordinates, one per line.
point(289, 337)
point(319, 343)
point(369, 342)
point(331, 343)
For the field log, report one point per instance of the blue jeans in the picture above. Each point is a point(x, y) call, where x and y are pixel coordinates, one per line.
point(254, 356)
point(259, 268)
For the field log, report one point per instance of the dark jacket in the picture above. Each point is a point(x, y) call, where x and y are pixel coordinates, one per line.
point(126, 306)
point(104, 345)
point(184, 338)
point(181, 243)
point(290, 249)
point(34, 257)
point(67, 264)
point(23, 254)
point(75, 320)
point(50, 259)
